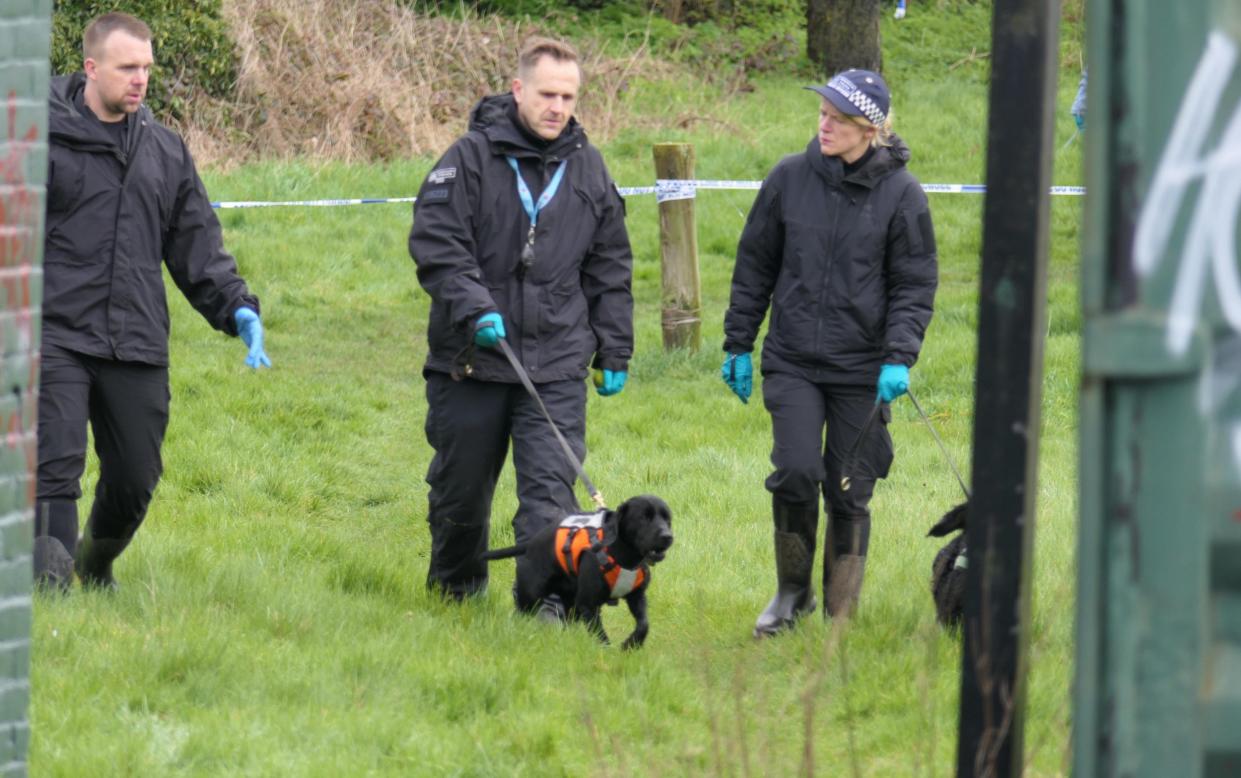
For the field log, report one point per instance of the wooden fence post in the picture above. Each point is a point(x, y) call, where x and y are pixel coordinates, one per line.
point(678, 246)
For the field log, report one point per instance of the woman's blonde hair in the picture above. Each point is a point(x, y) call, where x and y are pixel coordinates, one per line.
point(883, 136)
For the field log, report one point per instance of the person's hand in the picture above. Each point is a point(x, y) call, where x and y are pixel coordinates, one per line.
point(610, 382)
point(1080, 119)
point(738, 372)
point(250, 328)
point(893, 382)
point(900, 9)
point(489, 329)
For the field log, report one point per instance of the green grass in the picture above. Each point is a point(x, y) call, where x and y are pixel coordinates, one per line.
point(273, 619)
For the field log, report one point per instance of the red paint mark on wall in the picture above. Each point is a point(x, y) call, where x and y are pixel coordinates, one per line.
point(19, 244)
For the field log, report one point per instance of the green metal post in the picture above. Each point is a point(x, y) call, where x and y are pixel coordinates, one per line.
point(1158, 686)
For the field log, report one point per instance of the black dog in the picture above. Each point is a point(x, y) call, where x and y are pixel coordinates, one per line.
point(595, 559)
point(948, 569)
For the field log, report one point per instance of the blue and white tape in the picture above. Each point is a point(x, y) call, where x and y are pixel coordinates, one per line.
point(310, 203)
point(665, 190)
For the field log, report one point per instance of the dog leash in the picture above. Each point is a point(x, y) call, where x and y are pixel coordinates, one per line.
point(851, 459)
point(942, 447)
point(564, 444)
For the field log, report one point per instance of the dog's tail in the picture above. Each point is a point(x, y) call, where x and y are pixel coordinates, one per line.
point(953, 520)
point(504, 553)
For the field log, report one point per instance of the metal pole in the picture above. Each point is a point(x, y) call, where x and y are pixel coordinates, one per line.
point(1011, 326)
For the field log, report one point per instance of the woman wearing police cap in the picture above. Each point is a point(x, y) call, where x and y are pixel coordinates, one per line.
point(839, 246)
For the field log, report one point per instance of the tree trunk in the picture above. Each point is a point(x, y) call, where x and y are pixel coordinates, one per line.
point(843, 34)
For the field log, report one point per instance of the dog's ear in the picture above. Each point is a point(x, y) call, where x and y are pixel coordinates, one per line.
point(952, 521)
point(654, 508)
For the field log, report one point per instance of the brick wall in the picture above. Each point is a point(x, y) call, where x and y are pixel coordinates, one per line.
point(25, 27)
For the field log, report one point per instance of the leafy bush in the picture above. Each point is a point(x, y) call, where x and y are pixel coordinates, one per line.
point(723, 39)
point(193, 51)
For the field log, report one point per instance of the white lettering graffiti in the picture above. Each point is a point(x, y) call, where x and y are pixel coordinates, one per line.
point(1210, 243)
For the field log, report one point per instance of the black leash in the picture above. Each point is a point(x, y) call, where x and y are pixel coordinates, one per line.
point(942, 447)
point(564, 444)
point(851, 460)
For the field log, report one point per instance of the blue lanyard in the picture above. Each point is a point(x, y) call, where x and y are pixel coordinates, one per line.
point(527, 202)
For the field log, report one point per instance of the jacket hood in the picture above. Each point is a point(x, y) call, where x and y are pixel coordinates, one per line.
point(886, 160)
point(495, 116)
point(67, 117)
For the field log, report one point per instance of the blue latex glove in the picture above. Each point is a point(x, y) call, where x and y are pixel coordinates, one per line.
point(489, 329)
point(610, 382)
point(893, 382)
point(1078, 109)
point(738, 372)
point(250, 328)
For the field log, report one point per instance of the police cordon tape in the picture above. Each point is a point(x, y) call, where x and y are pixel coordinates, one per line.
point(664, 190)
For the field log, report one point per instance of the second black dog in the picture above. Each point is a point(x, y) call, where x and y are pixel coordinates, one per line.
point(948, 569)
point(593, 560)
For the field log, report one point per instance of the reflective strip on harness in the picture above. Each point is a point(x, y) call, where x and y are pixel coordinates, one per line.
point(625, 581)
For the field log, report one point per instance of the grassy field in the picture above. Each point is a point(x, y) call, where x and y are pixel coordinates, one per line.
point(273, 620)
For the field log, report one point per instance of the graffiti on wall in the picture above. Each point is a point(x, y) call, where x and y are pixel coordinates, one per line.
point(1208, 257)
point(19, 245)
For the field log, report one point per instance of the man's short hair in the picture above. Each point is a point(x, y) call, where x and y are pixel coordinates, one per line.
point(537, 48)
point(98, 31)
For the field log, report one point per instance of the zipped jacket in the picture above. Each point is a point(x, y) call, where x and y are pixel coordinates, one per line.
point(846, 264)
point(572, 301)
point(115, 216)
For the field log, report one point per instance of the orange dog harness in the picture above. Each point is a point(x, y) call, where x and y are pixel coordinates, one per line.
point(579, 534)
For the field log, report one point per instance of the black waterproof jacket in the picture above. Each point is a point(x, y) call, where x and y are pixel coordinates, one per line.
point(572, 302)
point(114, 216)
point(846, 263)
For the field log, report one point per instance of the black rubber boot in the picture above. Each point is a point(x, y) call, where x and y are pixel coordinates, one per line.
point(551, 610)
point(796, 526)
point(56, 534)
point(53, 565)
point(844, 565)
point(94, 561)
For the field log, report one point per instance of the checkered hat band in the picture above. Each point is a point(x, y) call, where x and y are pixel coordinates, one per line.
point(858, 98)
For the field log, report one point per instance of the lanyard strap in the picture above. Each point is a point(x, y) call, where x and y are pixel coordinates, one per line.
point(523, 191)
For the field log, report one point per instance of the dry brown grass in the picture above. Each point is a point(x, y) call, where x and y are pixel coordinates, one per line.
point(361, 80)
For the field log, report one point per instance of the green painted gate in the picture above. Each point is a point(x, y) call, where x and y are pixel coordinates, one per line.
point(1158, 688)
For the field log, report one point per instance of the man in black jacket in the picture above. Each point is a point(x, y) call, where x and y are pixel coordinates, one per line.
point(519, 234)
point(123, 199)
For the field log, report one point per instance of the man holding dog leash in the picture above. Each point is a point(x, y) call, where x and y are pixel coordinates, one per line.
point(518, 236)
point(839, 244)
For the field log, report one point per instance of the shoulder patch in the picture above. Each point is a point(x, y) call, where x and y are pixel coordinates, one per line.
point(442, 175)
point(438, 194)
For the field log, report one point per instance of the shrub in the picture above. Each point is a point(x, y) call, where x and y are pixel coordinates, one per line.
point(724, 40)
point(193, 52)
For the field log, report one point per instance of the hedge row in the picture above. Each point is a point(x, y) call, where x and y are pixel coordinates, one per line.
point(193, 51)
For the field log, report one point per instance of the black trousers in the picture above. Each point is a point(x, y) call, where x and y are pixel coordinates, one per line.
point(470, 425)
point(126, 406)
point(809, 462)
